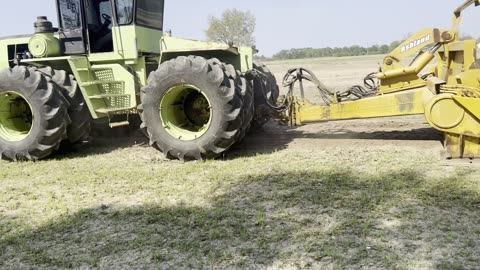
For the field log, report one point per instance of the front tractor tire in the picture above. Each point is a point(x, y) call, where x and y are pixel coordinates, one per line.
point(33, 115)
point(190, 109)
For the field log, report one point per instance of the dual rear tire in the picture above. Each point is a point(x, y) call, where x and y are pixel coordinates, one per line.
point(33, 115)
point(80, 126)
point(196, 109)
point(192, 108)
point(266, 93)
point(39, 109)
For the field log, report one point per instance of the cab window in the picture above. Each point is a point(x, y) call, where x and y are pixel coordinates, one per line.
point(150, 13)
point(124, 11)
point(105, 8)
point(70, 14)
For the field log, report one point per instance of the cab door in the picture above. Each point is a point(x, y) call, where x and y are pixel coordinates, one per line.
point(72, 32)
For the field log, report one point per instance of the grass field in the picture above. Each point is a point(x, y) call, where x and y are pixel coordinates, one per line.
point(370, 194)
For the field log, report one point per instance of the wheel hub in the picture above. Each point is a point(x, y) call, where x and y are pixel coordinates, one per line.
point(185, 112)
point(16, 117)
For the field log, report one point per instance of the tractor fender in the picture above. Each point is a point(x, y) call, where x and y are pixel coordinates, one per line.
point(240, 57)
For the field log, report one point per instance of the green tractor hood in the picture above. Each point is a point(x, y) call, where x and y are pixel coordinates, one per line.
point(240, 57)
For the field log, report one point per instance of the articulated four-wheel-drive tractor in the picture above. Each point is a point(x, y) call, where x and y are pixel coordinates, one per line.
point(110, 59)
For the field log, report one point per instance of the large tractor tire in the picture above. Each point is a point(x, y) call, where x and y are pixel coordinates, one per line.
point(80, 128)
point(231, 74)
point(244, 91)
point(190, 109)
point(248, 105)
point(33, 115)
point(266, 93)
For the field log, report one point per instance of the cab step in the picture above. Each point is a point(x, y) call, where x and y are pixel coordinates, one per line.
point(90, 83)
point(109, 96)
point(119, 124)
point(114, 110)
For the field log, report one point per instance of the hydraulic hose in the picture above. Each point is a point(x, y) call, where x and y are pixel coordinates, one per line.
point(297, 75)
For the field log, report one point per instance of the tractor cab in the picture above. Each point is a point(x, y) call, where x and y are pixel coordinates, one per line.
point(102, 26)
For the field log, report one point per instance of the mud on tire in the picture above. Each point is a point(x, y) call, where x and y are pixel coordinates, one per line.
point(34, 117)
point(178, 88)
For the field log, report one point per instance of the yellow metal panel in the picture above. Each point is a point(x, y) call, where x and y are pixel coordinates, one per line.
point(472, 105)
point(471, 147)
point(401, 83)
point(453, 145)
point(461, 146)
point(397, 104)
point(456, 58)
point(413, 69)
point(457, 46)
point(470, 79)
point(445, 113)
point(414, 43)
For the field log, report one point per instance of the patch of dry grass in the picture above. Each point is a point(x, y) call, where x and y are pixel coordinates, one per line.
point(125, 208)
point(349, 195)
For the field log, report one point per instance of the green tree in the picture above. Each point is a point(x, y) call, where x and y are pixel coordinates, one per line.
point(234, 26)
point(394, 45)
point(384, 49)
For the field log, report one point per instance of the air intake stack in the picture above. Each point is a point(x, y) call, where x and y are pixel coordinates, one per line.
point(44, 43)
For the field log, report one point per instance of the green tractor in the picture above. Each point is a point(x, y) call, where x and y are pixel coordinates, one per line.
point(110, 59)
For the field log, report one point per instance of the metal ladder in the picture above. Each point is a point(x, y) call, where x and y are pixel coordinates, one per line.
point(105, 95)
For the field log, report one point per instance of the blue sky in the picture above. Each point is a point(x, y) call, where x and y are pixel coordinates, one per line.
point(284, 24)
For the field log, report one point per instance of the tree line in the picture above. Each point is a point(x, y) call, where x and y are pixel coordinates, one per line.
point(236, 27)
point(354, 50)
